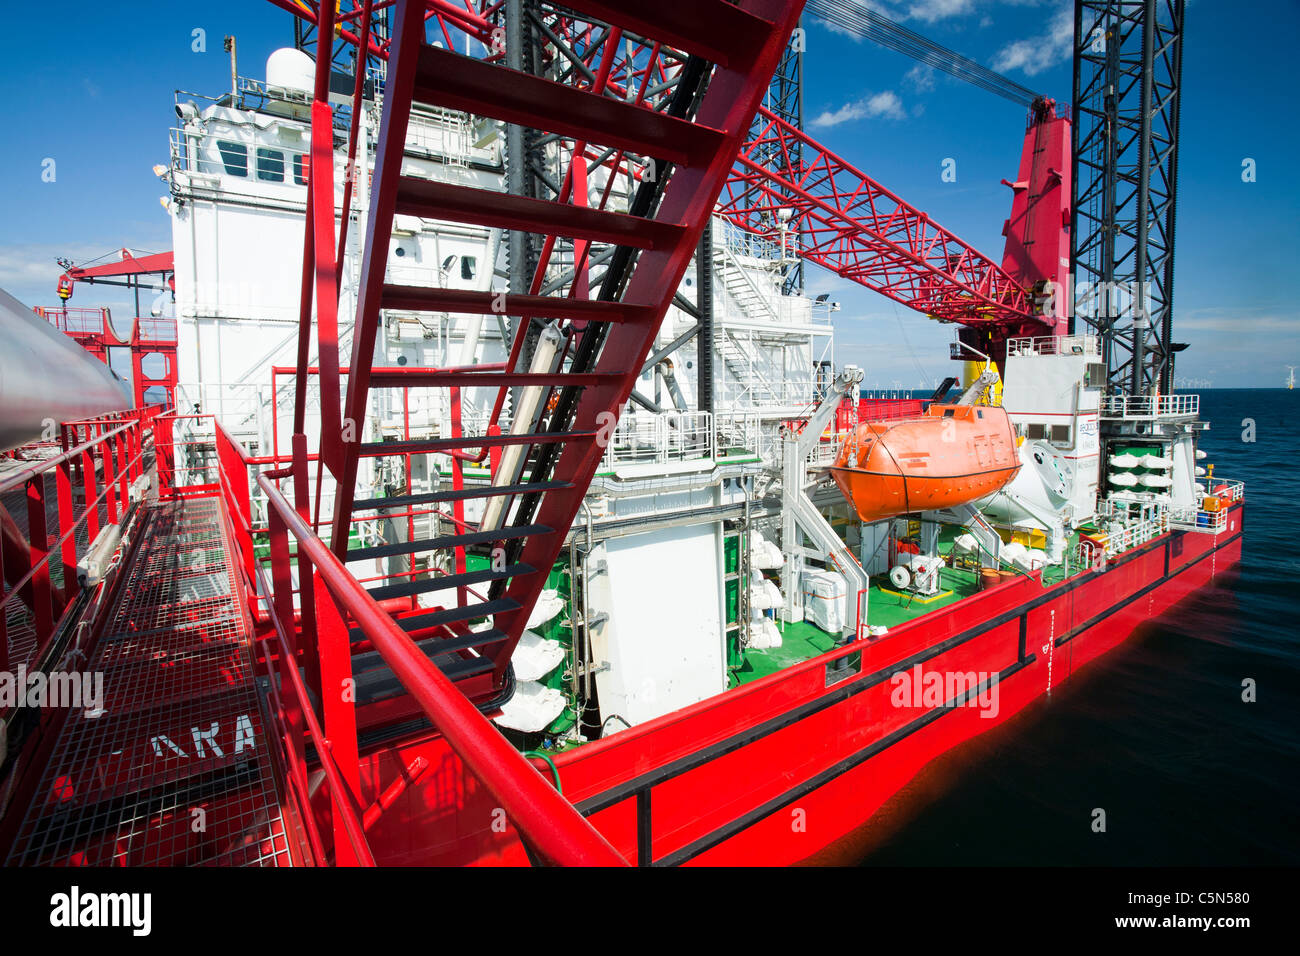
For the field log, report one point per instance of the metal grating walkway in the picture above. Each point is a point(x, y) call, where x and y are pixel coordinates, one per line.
point(176, 770)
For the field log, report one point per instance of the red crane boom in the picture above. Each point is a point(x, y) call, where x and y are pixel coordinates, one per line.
point(843, 220)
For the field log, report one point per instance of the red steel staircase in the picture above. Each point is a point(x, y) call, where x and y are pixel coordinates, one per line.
point(576, 383)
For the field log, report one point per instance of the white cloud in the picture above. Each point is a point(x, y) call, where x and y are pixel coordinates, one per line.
point(1232, 321)
point(842, 31)
point(19, 267)
point(920, 78)
point(927, 11)
point(932, 11)
point(1043, 52)
point(884, 104)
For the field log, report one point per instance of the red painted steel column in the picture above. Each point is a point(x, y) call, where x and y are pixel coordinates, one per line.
point(353, 130)
point(327, 290)
point(38, 544)
point(90, 493)
point(458, 484)
point(407, 30)
point(123, 479)
point(234, 477)
point(67, 527)
point(282, 608)
point(110, 477)
point(338, 702)
point(306, 581)
point(4, 609)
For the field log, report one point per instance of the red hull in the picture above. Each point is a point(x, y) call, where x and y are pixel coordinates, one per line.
point(778, 770)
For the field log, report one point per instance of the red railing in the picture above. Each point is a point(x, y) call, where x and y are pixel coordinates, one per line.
point(154, 330)
point(314, 633)
point(72, 320)
point(182, 457)
point(100, 460)
point(862, 612)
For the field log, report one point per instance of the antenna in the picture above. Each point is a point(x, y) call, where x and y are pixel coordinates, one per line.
point(234, 74)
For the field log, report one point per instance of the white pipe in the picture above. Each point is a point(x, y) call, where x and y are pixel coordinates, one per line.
point(47, 379)
point(544, 361)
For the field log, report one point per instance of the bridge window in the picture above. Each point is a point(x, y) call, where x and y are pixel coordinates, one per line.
point(1035, 431)
point(300, 170)
point(468, 267)
point(1061, 434)
point(270, 165)
point(234, 157)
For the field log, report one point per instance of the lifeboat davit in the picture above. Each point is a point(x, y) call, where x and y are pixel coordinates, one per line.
point(952, 455)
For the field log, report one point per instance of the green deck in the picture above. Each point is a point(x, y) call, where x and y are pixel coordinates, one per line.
point(799, 642)
point(804, 641)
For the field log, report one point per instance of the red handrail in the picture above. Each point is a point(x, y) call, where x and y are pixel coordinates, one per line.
point(352, 823)
point(115, 442)
point(549, 823)
point(16, 478)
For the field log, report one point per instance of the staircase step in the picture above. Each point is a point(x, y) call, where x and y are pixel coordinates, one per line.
point(446, 541)
point(406, 376)
point(461, 494)
point(446, 581)
point(375, 680)
point(416, 446)
point(474, 639)
point(424, 299)
point(474, 86)
point(713, 29)
point(451, 615)
point(486, 207)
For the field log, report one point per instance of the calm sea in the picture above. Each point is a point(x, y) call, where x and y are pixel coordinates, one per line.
point(1156, 732)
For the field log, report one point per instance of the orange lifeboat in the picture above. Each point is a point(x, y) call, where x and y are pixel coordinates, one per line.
point(952, 455)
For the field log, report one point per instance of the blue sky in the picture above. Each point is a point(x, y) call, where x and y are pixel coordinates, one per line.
point(94, 93)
